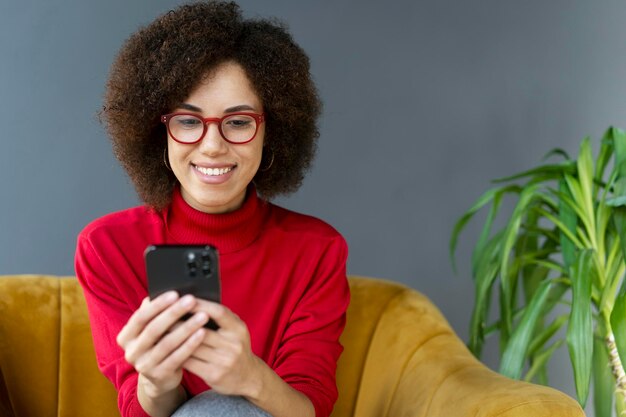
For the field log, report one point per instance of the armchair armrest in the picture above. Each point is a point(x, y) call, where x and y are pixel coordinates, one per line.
point(417, 366)
point(458, 384)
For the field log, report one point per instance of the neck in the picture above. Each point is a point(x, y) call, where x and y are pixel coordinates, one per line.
point(230, 231)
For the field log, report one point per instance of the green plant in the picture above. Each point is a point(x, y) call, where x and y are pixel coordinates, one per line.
point(558, 263)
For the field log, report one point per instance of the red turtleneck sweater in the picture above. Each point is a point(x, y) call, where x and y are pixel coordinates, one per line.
point(282, 272)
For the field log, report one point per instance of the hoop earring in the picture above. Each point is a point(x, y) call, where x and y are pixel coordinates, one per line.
point(271, 163)
point(167, 165)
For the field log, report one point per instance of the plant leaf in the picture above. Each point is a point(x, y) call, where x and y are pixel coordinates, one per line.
point(477, 253)
point(618, 322)
point(556, 296)
point(603, 382)
point(569, 220)
point(585, 175)
point(541, 339)
point(606, 151)
point(549, 265)
point(540, 360)
point(580, 329)
point(483, 200)
point(562, 228)
point(617, 201)
point(619, 220)
point(483, 282)
point(566, 200)
point(615, 269)
point(515, 351)
point(532, 259)
point(603, 228)
point(583, 200)
point(619, 143)
point(619, 140)
point(618, 314)
point(508, 280)
point(556, 151)
point(549, 171)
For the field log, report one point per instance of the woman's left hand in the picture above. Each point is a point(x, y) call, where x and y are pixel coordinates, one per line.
point(225, 360)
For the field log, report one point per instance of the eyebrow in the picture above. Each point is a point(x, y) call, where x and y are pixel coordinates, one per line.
point(241, 107)
point(190, 107)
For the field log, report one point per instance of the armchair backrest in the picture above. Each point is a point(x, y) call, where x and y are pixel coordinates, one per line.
point(49, 368)
point(46, 351)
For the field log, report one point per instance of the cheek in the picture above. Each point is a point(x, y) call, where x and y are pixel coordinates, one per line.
point(259, 143)
point(177, 156)
point(258, 152)
point(176, 150)
point(252, 152)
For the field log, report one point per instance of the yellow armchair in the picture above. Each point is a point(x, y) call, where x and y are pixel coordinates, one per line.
point(401, 359)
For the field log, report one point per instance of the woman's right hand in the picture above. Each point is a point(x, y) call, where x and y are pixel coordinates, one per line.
point(157, 345)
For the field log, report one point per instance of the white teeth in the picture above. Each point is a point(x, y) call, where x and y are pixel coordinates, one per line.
point(213, 171)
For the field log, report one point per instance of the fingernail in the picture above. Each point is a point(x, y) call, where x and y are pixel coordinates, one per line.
point(186, 301)
point(170, 296)
point(200, 317)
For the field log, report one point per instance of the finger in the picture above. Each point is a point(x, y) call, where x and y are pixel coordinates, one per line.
point(170, 341)
point(223, 357)
point(212, 339)
point(185, 351)
point(212, 374)
point(222, 341)
point(176, 325)
point(219, 349)
point(146, 312)
point(222, 315)
point(157, 328)
point(172, 365)
point(203, 369)
point(163, 322)
point(174, 348)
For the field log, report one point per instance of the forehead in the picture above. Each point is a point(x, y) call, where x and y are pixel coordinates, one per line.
point(225, 83)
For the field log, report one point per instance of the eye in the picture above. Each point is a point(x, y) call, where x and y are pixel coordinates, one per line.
point(186, 122)
point(239, 122)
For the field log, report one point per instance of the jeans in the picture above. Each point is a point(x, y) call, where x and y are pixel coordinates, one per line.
point(212, 404)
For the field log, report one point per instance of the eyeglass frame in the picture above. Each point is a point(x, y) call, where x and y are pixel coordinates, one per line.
point(258, 118)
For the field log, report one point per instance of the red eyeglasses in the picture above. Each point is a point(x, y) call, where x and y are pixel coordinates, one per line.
point(189, 128)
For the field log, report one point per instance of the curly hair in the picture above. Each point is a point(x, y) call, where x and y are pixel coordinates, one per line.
point(159, 66)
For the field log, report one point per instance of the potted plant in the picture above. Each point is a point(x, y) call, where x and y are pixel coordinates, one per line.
point(558, 267)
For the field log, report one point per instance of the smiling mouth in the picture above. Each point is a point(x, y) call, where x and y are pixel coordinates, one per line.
point(213, 172)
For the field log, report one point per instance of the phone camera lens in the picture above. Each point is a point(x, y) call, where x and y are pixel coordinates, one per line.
point(192, 263)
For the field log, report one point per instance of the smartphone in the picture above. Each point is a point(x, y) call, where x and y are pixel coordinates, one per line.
point(187, 269)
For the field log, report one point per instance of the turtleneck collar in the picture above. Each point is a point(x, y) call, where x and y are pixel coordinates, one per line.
point(228, 232)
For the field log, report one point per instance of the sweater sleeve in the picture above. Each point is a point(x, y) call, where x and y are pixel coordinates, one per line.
point(308, 353)
point(108, 313)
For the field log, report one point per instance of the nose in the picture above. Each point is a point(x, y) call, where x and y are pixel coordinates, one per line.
point(212, 143)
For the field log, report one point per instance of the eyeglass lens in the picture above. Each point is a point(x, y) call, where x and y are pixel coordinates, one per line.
point(235, 128)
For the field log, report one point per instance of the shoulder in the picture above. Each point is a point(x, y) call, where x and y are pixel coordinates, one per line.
point(286, 221)
point(292, 221)
point(121, 223)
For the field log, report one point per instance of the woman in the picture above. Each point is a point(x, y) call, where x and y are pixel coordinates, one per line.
point(207, 111)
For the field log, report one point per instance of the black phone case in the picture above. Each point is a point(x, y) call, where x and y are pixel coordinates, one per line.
point(187, 269)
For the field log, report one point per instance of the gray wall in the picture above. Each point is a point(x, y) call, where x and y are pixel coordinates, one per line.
point(425, 102)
